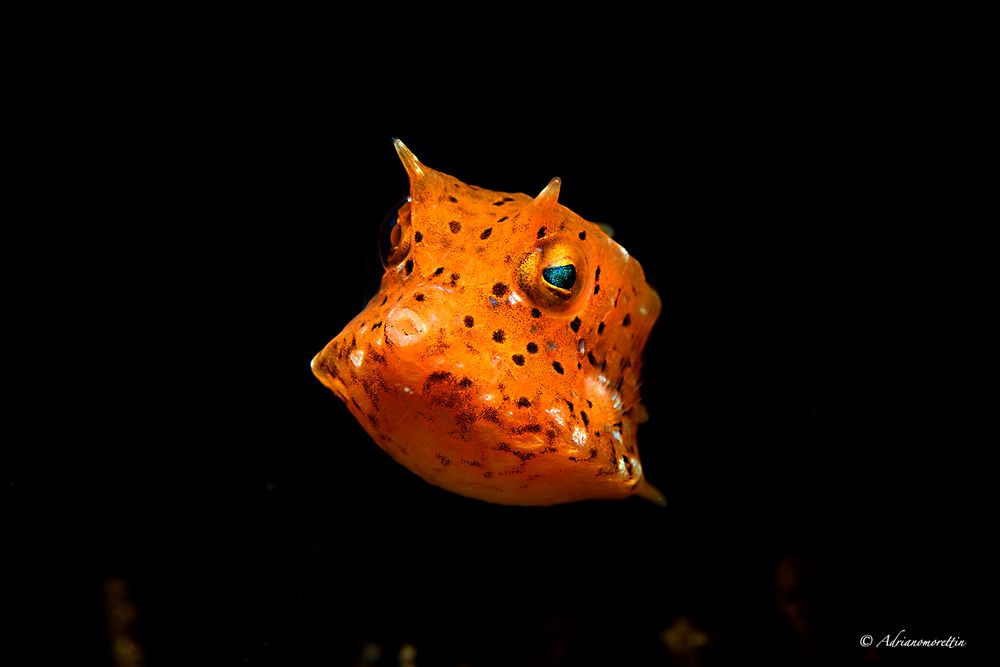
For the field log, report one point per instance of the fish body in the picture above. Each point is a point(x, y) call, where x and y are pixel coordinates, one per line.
point(500, 358)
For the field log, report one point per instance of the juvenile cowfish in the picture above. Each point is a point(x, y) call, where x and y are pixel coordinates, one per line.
point(500, 358)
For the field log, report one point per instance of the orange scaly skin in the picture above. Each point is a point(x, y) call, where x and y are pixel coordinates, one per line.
point(474, 371)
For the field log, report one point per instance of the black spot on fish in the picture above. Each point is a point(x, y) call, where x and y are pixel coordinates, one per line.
point(532, 348)
point(499, 289)
point(470, 321)
point(536, 313)
point(486, 233)
point(518, 359)
point(465, 420)
point(408, 267)
point(455, 226)
point(375, 356)
point(583, 236)
point(558, 367)
point(523, 402)
point(575, 324)
point(499, 336)
point(541, 232)
point(437, 377)
point(418, 237)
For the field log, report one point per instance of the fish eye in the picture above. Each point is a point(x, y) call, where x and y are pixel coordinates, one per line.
point(560, 278)
point(394, 236)
point(554, 274)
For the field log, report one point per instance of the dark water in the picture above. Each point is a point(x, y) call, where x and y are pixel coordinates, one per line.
point(809, 410)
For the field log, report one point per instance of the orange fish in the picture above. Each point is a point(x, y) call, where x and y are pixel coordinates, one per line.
point(500, 358)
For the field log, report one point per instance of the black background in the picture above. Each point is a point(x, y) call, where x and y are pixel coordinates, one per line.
point(808, 380)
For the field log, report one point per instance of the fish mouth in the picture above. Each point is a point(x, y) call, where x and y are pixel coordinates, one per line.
point(326, 372)
point(348, 359)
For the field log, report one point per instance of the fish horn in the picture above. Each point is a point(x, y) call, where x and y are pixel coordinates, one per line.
point(413, 166)
point(423, 179)
point(549, 194)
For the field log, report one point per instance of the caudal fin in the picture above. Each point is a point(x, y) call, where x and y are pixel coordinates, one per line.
point(650, 493)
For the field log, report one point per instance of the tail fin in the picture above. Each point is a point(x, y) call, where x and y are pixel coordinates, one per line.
point(649, 492)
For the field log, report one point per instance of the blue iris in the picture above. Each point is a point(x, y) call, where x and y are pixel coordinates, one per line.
point(562, 277)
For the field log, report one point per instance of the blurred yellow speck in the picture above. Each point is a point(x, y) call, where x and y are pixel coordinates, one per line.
point(682, 638)
point(407, 655)
point(371, 654)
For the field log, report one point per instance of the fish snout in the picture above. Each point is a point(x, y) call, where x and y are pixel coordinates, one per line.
point(324, 367)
